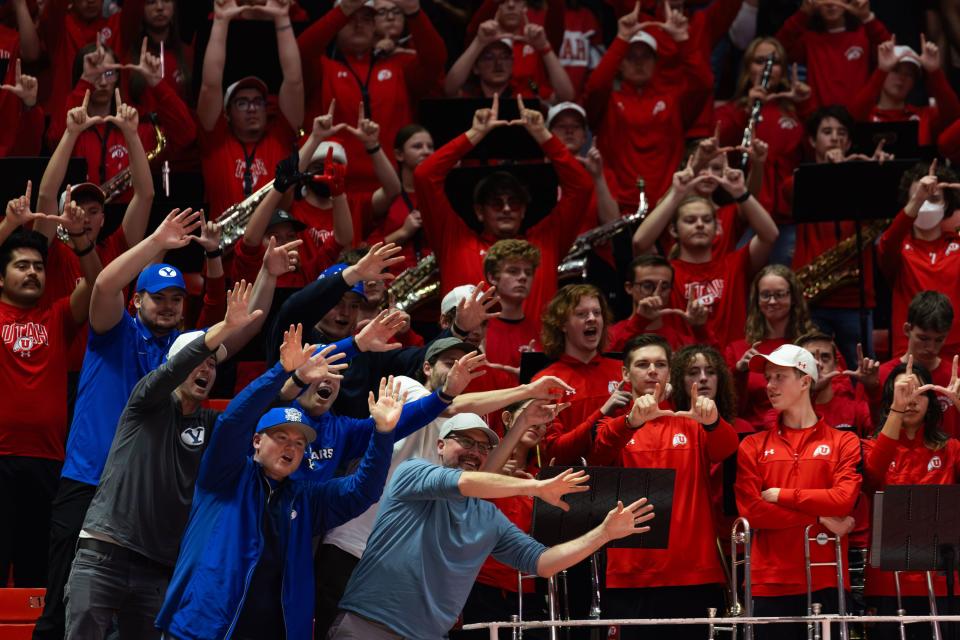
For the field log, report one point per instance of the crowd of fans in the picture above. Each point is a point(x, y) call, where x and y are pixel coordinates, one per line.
point(225, 416)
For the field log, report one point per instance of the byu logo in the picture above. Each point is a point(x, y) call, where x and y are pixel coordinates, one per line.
point(292, 415)
point(679, 439)
point(193, 437)
point(822, 450)
point(167, 272)
point(934, 463)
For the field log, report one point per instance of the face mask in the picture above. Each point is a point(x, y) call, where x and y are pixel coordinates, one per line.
point(929, 216)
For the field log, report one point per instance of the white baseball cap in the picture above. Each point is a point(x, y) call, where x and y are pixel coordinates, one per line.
point(368, 3)
point(320, 155)
point(186, 338)
point(787, 355)
point(454, 296)
point(465, 422)
point(645, 38)
point(247, 82)
point(560, 107)
point(906, 54)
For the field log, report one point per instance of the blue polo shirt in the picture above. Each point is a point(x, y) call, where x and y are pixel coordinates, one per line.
point(114, 363)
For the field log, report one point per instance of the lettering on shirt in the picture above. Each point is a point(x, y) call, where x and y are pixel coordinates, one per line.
point(25, 338)
point(822, 450)
point(574, 51)
point(679, 440)
point(257, 168)
point(786, 122)
point(660, 106)
point(853, 53)
point(193, 436)
point(705, 293)
point(934, 463)
point(319, 454)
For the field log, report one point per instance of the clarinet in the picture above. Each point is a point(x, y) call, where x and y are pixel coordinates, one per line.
point(755, 112)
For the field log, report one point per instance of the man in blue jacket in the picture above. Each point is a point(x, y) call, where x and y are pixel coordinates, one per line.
point(245, 567)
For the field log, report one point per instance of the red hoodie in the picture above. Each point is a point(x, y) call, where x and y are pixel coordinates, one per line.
point(669, 443)
point(816, 471)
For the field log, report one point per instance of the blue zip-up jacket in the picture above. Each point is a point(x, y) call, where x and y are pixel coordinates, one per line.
point(223, 540)
point(342, 438)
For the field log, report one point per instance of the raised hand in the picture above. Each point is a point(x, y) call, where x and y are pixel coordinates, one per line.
point(388, 406)
point(952, 390)
point(323, 126)
point(463, 371)
point(77, 118)
point(282, 259)
point(593, 161)
point(310, 364)
point(759, 151)
point(287, 172)
point(367, 131)
point(686, 179)
point(334, 175)
point(486, 120)
point(488, 31)
point(624, 521)
point(378, 258)
point(549, 388)
point(18, 210)
point(474, 309)
point(617, 400)
point(906, 389)
point(376, 335)
point(743, 364)
point(867, 371)
point(733, 182)
point(646, 408)
point(676, 24)
point(176, 229)
point(535, 35)
point(24, 87)
point(150, 65)
point(629, 24)
point(929, 55)
point(238, 299)
point(552, 491)
point(537, 412)
point(696, 314)
point(798, 91)
point(126, 119)
point(74, 218)
point(209, 234)
point(708, 149)
point(95, 63)
point(859, 9)
point(532, 121)
point(702, 409)
point(228, 10)
point(886, 54)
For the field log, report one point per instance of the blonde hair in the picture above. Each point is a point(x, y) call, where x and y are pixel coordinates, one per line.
point(743, 81)
point(799, 323)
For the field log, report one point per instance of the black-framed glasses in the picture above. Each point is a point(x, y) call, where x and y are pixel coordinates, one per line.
point(649, 287)
point(470, 444)
point(395, 12)
point(250, 104)
point(767, 296)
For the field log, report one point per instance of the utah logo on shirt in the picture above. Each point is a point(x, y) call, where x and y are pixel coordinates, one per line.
point(25, 338)
point(679, 440)
point(935, 463)
point(853, 53)
point(822, 450)
point(705, 293)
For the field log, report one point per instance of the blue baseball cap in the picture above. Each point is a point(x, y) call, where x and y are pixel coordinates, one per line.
point(287, 416)
point(158, 277)
point(337, 268)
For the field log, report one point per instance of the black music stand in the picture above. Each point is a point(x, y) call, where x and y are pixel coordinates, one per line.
point(854, 191)
point(16, 172)
point(552, 525)
point(917, 528)
point(900, 138)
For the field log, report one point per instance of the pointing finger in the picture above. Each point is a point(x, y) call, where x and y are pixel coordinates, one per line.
point(909, 371)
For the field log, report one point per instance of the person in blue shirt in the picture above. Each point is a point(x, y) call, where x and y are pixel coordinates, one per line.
point(121, 349)
point(435, 528)
point(245, 569)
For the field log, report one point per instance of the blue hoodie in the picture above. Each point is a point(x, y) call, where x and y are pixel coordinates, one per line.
point(223, 540)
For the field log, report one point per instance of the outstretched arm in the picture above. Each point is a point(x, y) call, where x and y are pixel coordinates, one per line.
point(210, 100)
point(291, 93)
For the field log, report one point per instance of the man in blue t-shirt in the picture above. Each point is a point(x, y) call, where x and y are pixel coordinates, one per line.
point(435, 528)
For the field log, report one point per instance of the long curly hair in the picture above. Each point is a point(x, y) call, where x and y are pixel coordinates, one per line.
point(558, 312)
point(726, 395)
point(799, 322)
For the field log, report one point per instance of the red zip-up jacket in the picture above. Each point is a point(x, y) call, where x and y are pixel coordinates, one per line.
point(816, 472)
point(460, 249)
point(905, 461)
point(949, 142)
point(669, 443)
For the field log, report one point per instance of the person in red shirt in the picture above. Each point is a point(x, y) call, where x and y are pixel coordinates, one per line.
point(574, 333)
point(911, 448)
point(916, 253)
point(949, 142)
point(777, 314)
point(837, 42)
point(388, 86)
point(834, 403)
point(884, 97)
point(685, 579)
point(509, 64)
point(802, 472)
point(22, 133)
point(36, 337)
point(500, 204)
point(718, 282)
point(641, 121)
point(510, 266)
point(650, 287)
point(239, 140)
point(160, 25)
point(582, 45)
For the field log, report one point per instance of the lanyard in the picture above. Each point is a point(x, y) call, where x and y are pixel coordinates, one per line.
point(247, 162)
point(104, 139)
point(363, 84)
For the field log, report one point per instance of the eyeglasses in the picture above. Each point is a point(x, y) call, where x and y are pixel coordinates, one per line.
point(503, 203)
point(490, 58)
point(248, 104)
point(767, 296)
point(649, 287)
point(391, 13)
point(108, 75)
point(470, 444)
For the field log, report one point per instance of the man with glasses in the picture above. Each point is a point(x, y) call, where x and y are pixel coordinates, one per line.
point(500, 206)
point(240, 145)
point(650, 289)
point(435, 527)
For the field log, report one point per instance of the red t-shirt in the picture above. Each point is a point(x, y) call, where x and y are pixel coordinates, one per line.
point(507, 339)
point(317, 252)
point(63, 266)
point(396, 215)
point(676, 331)
point(225, 158)
point(33, 379)
point(720, 284)
point(730, 228)
point(669, 443)
point(582, 39)
point(751, 386)
point(22, 127)
point(912, 265)
point(570, 437)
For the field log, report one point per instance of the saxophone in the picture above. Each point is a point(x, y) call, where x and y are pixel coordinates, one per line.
point(122, 181)
point(416, 285)
point(574, 265)
point(837, 267)
point(233, 220)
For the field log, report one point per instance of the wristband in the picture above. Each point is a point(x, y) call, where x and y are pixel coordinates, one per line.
point(743, 197)
point(373, 150)
point(297, 381)
point(457, 331)
point(710, 427)
point(213, 254)
point(86, 251)
point(445, 397)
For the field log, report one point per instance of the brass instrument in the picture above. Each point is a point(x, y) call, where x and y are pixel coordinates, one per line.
point(416, 285)
point(233, 221)
point(754, 118)
point(814, 608)
point(122, 181)
point(740, 535)
point(574, 265)
point(837, 267)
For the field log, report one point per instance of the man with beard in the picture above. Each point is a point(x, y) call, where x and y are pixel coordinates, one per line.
point(131, 532)
point(798, 473)
point(435, 528)
point(33, 365)
point(683, 580)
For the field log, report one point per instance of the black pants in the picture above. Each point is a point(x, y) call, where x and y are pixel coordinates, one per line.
point(775, 606)
point(332, 568)
point(491, 604)
point(914, 606)
point(663, 602)
point(69, 509)
point(27, 487)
